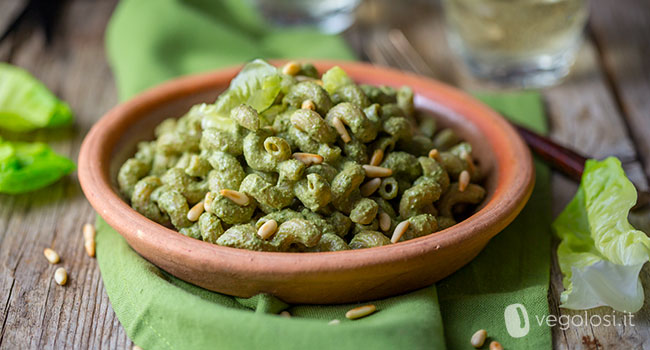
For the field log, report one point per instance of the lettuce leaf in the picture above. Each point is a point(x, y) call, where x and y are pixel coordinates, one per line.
point(334, 79)
point(26, 104)
point(26, 166)
point(257, 85)
point(601, 254)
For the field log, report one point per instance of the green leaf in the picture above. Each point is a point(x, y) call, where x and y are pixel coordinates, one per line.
point(26, 104)
point(256, 85)
point(211, 118)
point(335, 78)
point(26, 166)
point(601, 254)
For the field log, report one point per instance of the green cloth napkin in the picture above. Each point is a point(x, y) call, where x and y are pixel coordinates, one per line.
point(151, 41)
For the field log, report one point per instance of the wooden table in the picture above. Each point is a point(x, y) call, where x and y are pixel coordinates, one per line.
point(602, 109)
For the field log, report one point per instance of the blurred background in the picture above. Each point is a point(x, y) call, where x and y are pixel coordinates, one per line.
point(526, 43)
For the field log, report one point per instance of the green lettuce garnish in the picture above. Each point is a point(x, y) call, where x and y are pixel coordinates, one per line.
point(26, 166)
point(257, 85)
point(26, 104)
point(601, 254)
point(334, 79)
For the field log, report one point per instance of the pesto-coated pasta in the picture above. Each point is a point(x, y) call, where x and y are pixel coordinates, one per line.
point(298, 232)
point(246, 116)
point(314, 125)
point(130, 173)
point(361, 126)
point(330, 243)
point(313, 191)
point(296, 161)
point(142, 202)
point(364, 211)
point(210, 227)
point(308, 90)
point(369, 239)
point(269, 197)
point(175, 205)
point(351, 93)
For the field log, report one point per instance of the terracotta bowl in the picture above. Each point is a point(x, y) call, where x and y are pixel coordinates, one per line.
point(316, 278)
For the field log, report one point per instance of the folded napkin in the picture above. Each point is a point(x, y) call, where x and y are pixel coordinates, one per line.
point(151, 41)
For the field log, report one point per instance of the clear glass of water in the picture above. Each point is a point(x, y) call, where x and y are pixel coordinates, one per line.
point(523, 43)
point(329, 16)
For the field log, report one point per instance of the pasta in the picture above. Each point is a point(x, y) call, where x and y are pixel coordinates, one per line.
point(322, 163)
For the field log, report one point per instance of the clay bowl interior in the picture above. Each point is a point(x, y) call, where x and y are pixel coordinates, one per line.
point(318, 278)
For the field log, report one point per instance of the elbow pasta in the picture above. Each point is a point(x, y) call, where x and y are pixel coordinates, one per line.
point(314, 192)
point(368, 239)
point(351, 93)
point(362, 127)
point(243, 166)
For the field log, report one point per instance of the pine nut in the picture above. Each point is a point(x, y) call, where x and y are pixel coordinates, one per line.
point(478, 339)
point(268, 229)
point(399, 231)
point(89, 232)
point(285, 313)
point(370, 187)
point(196, 211)
point(61, 276)
point(135, 347)
point(495, 345)
point(361, 311)
point(377, 171)
point(89, 239)
point(89, 246)
point(463, 180)
point(377, 157)
point(291, 68)
point(207, 200)
point(51, 256)
point(308, 158)
point(340, 128)
point(334, 322)
point(435, 154)
point(308, 104)
point(384, 221)
point(237, 197)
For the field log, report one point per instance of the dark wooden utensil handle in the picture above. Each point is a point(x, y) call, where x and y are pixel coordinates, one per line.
point(561, 158)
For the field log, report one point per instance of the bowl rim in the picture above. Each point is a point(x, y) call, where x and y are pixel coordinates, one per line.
point(514, 185)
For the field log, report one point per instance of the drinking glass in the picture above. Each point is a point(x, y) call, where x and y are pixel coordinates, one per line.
point(524, 43)
point(329, 16)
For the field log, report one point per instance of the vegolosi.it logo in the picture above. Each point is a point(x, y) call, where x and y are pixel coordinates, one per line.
point(518, 322)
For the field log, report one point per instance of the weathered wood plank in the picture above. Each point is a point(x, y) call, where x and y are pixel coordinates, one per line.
point(621, 31)
point(37, 313)
point(9, 10)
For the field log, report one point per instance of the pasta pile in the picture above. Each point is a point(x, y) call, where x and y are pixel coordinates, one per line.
point(289, 161)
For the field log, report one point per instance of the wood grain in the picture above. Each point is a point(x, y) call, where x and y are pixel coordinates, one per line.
point(35, 312)
point(9, 10)
point(621, 31)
